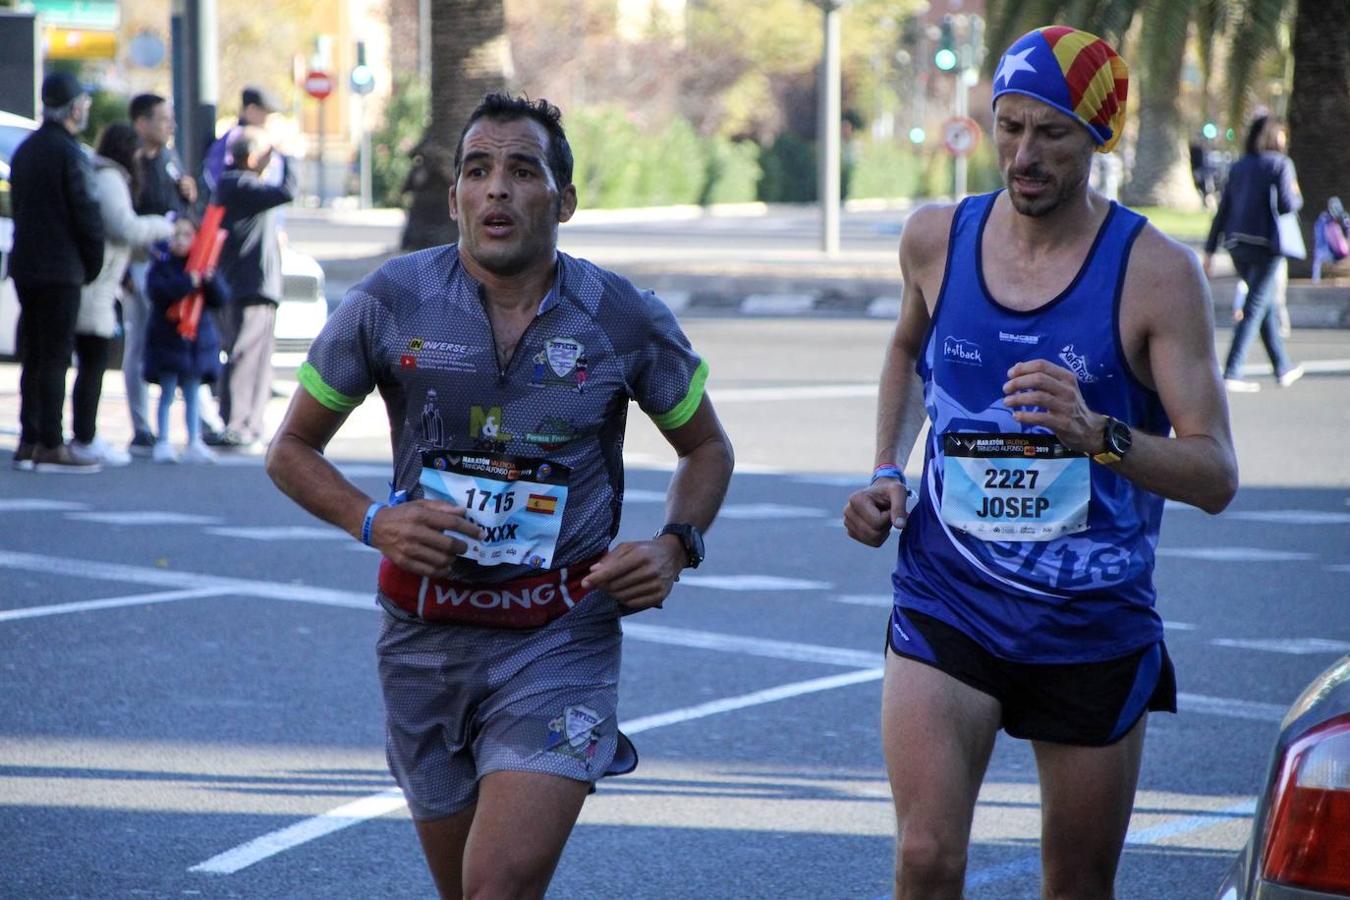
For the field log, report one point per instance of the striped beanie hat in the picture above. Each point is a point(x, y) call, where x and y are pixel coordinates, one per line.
point(1075, 72)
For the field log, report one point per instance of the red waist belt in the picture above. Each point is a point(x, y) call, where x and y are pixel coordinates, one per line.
point(527, 602)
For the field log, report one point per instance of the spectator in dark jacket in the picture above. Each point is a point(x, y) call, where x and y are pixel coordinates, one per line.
point(58, 248)
point(251, 264)
point(1260, 186)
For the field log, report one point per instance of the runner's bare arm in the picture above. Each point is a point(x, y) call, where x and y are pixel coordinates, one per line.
point(641, 573)
point(871, 513)
point(1167, 328)
point(410, 534)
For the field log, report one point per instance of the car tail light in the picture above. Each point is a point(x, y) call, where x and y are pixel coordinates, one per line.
point(1308, 835)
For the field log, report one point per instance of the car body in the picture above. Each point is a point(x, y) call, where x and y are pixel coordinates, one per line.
point(300, 315)
point(1299, 848)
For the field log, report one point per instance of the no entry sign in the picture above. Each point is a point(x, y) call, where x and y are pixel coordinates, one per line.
point(318, 85)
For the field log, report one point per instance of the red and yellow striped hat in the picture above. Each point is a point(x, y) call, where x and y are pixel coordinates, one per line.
point(1077, 73)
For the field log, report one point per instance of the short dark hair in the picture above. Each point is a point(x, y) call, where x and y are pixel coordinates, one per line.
point(505, 107)
point(143, 105)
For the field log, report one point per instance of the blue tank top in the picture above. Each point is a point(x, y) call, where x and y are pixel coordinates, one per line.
point(1083, 595)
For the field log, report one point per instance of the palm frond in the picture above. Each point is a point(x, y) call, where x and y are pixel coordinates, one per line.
point(1255, 33)
point(1163, 39)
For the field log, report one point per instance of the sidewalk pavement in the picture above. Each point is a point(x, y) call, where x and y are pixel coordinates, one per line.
point(792, 281)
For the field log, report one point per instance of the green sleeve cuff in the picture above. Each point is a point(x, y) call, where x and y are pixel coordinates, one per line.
point(310, 380)
point(685, 409)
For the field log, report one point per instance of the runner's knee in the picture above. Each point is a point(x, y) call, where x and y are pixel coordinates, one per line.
point(930, 861)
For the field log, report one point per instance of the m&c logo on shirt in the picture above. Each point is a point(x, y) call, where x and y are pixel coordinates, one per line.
point(961, 351)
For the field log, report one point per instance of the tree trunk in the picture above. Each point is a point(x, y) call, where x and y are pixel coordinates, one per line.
point(1161, 174)
point(1319, 108)
point(470, 57)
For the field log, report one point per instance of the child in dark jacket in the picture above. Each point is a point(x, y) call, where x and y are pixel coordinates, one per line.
point(171, 360)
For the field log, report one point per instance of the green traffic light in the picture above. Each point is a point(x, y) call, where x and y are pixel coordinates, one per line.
point(917, 135)
point(945, 59)
point(1210, 131)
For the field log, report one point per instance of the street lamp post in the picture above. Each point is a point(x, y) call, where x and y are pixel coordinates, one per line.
point(828, 129)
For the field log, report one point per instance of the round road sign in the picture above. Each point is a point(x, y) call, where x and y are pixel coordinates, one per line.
point(960, 135)
point(318, 85)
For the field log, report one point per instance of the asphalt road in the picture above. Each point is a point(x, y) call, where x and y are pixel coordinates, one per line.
point(188, 704)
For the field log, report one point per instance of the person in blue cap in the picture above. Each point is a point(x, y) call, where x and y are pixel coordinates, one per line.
point(1064, 356)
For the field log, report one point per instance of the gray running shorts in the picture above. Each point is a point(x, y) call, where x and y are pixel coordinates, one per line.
point(463, 701)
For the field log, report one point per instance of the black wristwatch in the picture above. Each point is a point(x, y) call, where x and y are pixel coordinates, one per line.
point(1118, 438)
point(690, 537)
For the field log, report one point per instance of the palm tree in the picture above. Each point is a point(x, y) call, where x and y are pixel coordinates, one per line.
point(470, 57)
point(1319, 105)
point(1246, 29)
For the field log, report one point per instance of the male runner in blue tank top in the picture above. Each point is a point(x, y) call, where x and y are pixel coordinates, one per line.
point(507, 369)
point(1065, 349)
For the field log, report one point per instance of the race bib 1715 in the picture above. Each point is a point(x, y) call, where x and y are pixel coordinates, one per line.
point(518, 502)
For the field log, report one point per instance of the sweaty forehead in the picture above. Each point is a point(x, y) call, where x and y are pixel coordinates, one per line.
point(1030, 111)
point(515, 136)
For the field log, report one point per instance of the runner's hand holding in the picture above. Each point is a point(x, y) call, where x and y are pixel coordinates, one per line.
point(639, 574)
point(414, 537)
point(1054, 389)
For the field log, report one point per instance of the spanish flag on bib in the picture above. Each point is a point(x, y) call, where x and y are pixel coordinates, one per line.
point(1077, 73)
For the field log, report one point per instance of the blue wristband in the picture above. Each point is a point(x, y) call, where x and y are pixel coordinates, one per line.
point(366, 525)
point(888, 471)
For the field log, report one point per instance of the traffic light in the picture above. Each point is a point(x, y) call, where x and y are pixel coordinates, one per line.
point(945, 57)
point(362, 78)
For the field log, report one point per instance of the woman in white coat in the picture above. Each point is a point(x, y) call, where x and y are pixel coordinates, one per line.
point(115, 173)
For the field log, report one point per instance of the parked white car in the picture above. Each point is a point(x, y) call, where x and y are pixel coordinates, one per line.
point(301, 315)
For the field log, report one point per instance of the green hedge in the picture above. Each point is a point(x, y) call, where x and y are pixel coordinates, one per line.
point(622, 163)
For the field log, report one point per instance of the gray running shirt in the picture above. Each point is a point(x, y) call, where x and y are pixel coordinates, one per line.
point(416, 329)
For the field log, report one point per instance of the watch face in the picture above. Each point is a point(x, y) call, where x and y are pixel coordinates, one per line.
point(1119, 437)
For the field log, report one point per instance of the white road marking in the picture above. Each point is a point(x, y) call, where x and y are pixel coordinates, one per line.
point(637, 495)
point(347, 815)
point(101, 571)
point(757, 698)
point(275, 842)
point(1234, 554)
point(878, 600)
point(1291, 517)
point(1312, 367)
point(57, 609)
point(751, 511)
point(804, 392)
point(1146, 836)
point(142, 517)
point(1296, 646)
point(1154, 834)
point(358, 470)
point(283, 533)
point(752, 583)
point(34, 504)
point(734, 643)
point(1233, 709)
